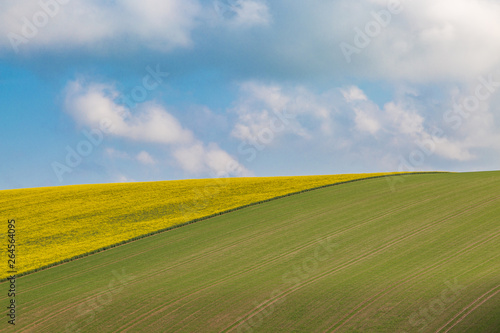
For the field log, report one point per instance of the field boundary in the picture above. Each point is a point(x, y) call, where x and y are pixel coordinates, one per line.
point(130, 240)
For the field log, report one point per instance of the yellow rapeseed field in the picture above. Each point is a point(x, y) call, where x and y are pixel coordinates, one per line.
point(56, 223)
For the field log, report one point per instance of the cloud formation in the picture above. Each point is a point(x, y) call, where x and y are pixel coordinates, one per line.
point(160, 25)
point(402, 125)
point(90, 104)
point(345, 121)
point(421, 41)
point(440, 40)
point(57, 24)
point(272, 108)
point(94, 105)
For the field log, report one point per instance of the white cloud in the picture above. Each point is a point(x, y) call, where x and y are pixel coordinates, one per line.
point(197, 158)
point(166, 23)
point(160, 24)
point(435, 40)
point(145, 158)
point(357, 124)
point(401, 125)
point(366, 122)
point(222, 163)
point(409, 126)
point(367, 114)
point(241, 13)
point(191, 158)
point(251, 13)
point(124, 179)
point(477, 128)
point(428, 41)
point(451, 150)
point(353, 93)
point(263, 109)
point(91, 104)
point(405, 121)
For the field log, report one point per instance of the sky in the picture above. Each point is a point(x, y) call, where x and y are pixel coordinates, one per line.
point(121, 91)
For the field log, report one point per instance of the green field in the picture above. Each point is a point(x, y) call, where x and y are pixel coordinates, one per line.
point(355, 257)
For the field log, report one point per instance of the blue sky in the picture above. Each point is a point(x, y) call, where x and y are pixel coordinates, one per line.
point(116, 91)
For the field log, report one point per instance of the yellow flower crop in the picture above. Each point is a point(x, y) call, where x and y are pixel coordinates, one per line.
point(56, 223)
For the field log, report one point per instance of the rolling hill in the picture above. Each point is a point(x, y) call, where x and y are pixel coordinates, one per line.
point(55, 224)
point(357, 257)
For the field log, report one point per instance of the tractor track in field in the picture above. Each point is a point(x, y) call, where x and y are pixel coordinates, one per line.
point(239, 273)
point(69, 276)
point(467, 250)
point(416, 275)
point(79, 273)
point(250, 314)
point(472, 268)
point(81, 301)
point(160, 309)
point(481, 302)
point(195, 258)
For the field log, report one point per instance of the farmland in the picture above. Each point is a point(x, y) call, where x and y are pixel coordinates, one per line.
point(356, 257)
point(58, 223)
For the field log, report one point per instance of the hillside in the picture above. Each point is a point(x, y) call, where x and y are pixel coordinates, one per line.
point(58, 223)
point(356, 257)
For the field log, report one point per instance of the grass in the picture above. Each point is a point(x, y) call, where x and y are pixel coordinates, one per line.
point(350, 258)
point(59, 223)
